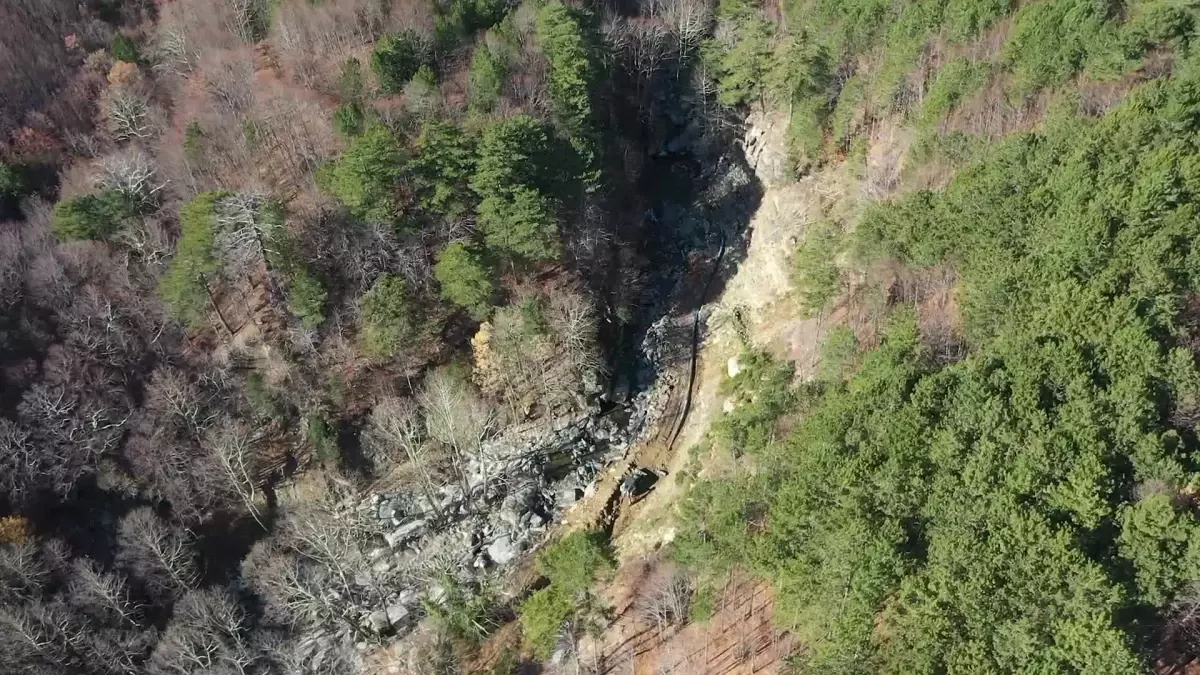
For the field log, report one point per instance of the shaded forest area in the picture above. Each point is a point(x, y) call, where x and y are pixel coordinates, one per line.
point(256, 255)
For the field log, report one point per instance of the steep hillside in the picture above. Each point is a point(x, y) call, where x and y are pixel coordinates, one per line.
point(948, 386)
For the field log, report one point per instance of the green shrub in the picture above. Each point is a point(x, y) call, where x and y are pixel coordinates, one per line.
point(476, 15)
point(421, 94)
point(799, 68)
point(366, 176)
point(1163, 543)
point(955, 82)
point(517, 151)
point(488, 73)
point(761, 394)
point(560, 32)
point(515, 177)
point(839, 354)
point(716, 524)
point(806, 132)
point(352, 86)
point(389, 318)
point(848, 112)
point(322, 437)
point(349, 119)
point(184, 286)
point(954, 149)
point(533, 317)
point(703, 605)
point(742, 67)
point(465, 614)
point(465, 280)
point(565, 36)
point(543, 619)
point(443, 165)
point(306, 298)
point(521, 225)
point(572, 564)
point(903, 41)
point(1159, 25)
point(14, 183)
point(1052, 40)
point(193, 143)
point(252, 134)
point(396, 58)
point(261, 399)
point(91, 216)
point(123, 48)
point(965, 19)
point(816, 275)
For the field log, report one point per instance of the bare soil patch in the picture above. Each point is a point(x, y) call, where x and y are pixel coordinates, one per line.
point(738, 639)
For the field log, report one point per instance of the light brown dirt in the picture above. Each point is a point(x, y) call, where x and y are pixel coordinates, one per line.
point(738, 639)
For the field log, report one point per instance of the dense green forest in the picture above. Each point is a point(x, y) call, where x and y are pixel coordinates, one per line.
point(1031, 507)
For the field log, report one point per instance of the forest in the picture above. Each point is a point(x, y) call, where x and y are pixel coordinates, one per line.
point(281, 281)
point(1026, 501)
point(276, 281)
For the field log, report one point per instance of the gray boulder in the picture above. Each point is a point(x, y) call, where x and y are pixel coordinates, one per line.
point(502, 550)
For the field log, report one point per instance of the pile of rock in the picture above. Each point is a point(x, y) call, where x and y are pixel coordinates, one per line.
point(516, 487)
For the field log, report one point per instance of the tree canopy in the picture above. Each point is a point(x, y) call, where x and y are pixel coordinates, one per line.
point(465, 279)
point(388, 317)
point(366, 176)
point(1024, 509)
point(562, 32)
point(184, 286)
point(91, 216)
point(516, 179)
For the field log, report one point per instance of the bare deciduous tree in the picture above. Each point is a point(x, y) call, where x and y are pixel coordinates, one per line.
point(572, 318)
point(182, 400)
point(232, 448)
point(17, 452)
point(69, 420)
point(231, 87)
point(247, 18)
point(397, 432)
point(128, 114)
point(207, 634)
point(173, 50)
point(668, 600)
point(688, 20)
point(246, 232)
point(457, 416)
point(22, 571)
point(102, 593)
point(1184, 619)
point(152, 551)
point(148, 240)
point(132, 174)
point(32, 636)
point(311, 572)
point(296, 591)
point(315, 528)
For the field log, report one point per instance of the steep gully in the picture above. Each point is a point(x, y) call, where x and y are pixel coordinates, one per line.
point(686, 223)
